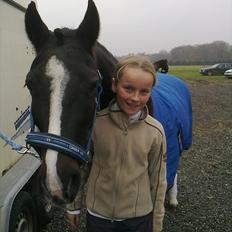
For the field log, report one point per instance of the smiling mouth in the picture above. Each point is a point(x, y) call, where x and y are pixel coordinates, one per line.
point(132, 105)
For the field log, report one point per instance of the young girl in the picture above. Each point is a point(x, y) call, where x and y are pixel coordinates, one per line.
point(127, 182)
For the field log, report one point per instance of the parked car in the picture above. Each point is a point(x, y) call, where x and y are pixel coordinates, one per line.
point(216, 69)
point(228, 73)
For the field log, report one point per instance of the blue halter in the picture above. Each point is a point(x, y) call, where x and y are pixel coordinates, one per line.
point(61, 144)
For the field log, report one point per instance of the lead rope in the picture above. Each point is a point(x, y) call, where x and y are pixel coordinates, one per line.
point(21, 149)
point(9, 141)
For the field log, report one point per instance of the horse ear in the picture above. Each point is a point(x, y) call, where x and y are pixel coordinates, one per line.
point(89, 28)
point(37, 31)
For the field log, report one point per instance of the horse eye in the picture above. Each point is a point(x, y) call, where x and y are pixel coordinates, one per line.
point(93, 85)
point(28, 84)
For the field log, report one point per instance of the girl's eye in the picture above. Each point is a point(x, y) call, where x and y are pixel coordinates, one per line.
point(128, 88)
point(145, 92)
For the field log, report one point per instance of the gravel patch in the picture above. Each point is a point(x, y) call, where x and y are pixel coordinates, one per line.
point(205, 173)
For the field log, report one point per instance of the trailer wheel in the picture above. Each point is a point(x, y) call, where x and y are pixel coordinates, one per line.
point(23, 216)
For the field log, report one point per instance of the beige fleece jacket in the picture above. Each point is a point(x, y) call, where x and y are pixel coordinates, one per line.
point(128, 174)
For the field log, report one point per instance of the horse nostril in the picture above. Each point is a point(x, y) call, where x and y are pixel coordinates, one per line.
point(57, 200)
point(72, 187)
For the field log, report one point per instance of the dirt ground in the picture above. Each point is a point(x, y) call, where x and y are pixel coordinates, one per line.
point(205, 173)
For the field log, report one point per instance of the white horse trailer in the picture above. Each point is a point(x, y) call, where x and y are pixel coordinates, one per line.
point(16, 171)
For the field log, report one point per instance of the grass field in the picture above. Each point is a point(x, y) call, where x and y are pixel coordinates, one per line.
point(192, 73)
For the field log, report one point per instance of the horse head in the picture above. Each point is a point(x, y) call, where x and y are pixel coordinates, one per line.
point(62, 81)
point(161, 65)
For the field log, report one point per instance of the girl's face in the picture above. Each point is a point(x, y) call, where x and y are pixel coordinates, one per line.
point(133, 89)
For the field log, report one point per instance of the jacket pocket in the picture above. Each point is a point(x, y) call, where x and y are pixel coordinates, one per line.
point(144, 202)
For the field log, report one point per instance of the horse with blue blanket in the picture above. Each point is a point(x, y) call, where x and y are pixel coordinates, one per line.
point(65, 81)
point(172, 107)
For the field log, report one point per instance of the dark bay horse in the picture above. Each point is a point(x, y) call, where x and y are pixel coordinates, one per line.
point(161, 66)
point(63, 82)
point(171, 105)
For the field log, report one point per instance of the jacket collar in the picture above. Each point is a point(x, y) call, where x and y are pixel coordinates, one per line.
point(121, 119)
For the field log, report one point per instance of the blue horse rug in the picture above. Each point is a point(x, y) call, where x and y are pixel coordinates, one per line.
point(173, 109)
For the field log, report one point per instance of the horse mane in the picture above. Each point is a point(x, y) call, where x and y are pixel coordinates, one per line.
point(106, 63)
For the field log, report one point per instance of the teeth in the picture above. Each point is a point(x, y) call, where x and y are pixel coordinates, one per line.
point(132, 105)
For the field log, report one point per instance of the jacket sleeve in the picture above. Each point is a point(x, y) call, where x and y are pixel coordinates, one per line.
point(158, 182)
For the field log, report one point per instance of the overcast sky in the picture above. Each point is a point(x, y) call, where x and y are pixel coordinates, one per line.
point(136, 26)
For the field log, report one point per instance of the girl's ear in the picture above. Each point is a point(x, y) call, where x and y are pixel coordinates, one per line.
point(114, 85)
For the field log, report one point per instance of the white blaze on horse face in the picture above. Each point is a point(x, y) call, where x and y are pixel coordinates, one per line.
point(59, 77)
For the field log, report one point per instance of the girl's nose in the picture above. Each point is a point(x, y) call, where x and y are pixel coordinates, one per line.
point(135, 96)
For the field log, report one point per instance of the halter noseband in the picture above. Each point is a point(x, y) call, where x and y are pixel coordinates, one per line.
point(61, 144)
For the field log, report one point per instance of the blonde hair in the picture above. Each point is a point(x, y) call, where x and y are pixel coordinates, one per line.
point(134, 62)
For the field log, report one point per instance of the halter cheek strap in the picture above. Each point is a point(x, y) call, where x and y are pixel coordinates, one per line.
point(61, 144)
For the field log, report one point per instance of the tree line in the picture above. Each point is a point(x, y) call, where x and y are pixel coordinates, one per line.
point(204, 54)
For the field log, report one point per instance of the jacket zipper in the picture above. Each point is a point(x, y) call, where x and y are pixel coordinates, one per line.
point(125, 132)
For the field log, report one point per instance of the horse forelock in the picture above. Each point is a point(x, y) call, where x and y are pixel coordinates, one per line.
point(59, 77)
